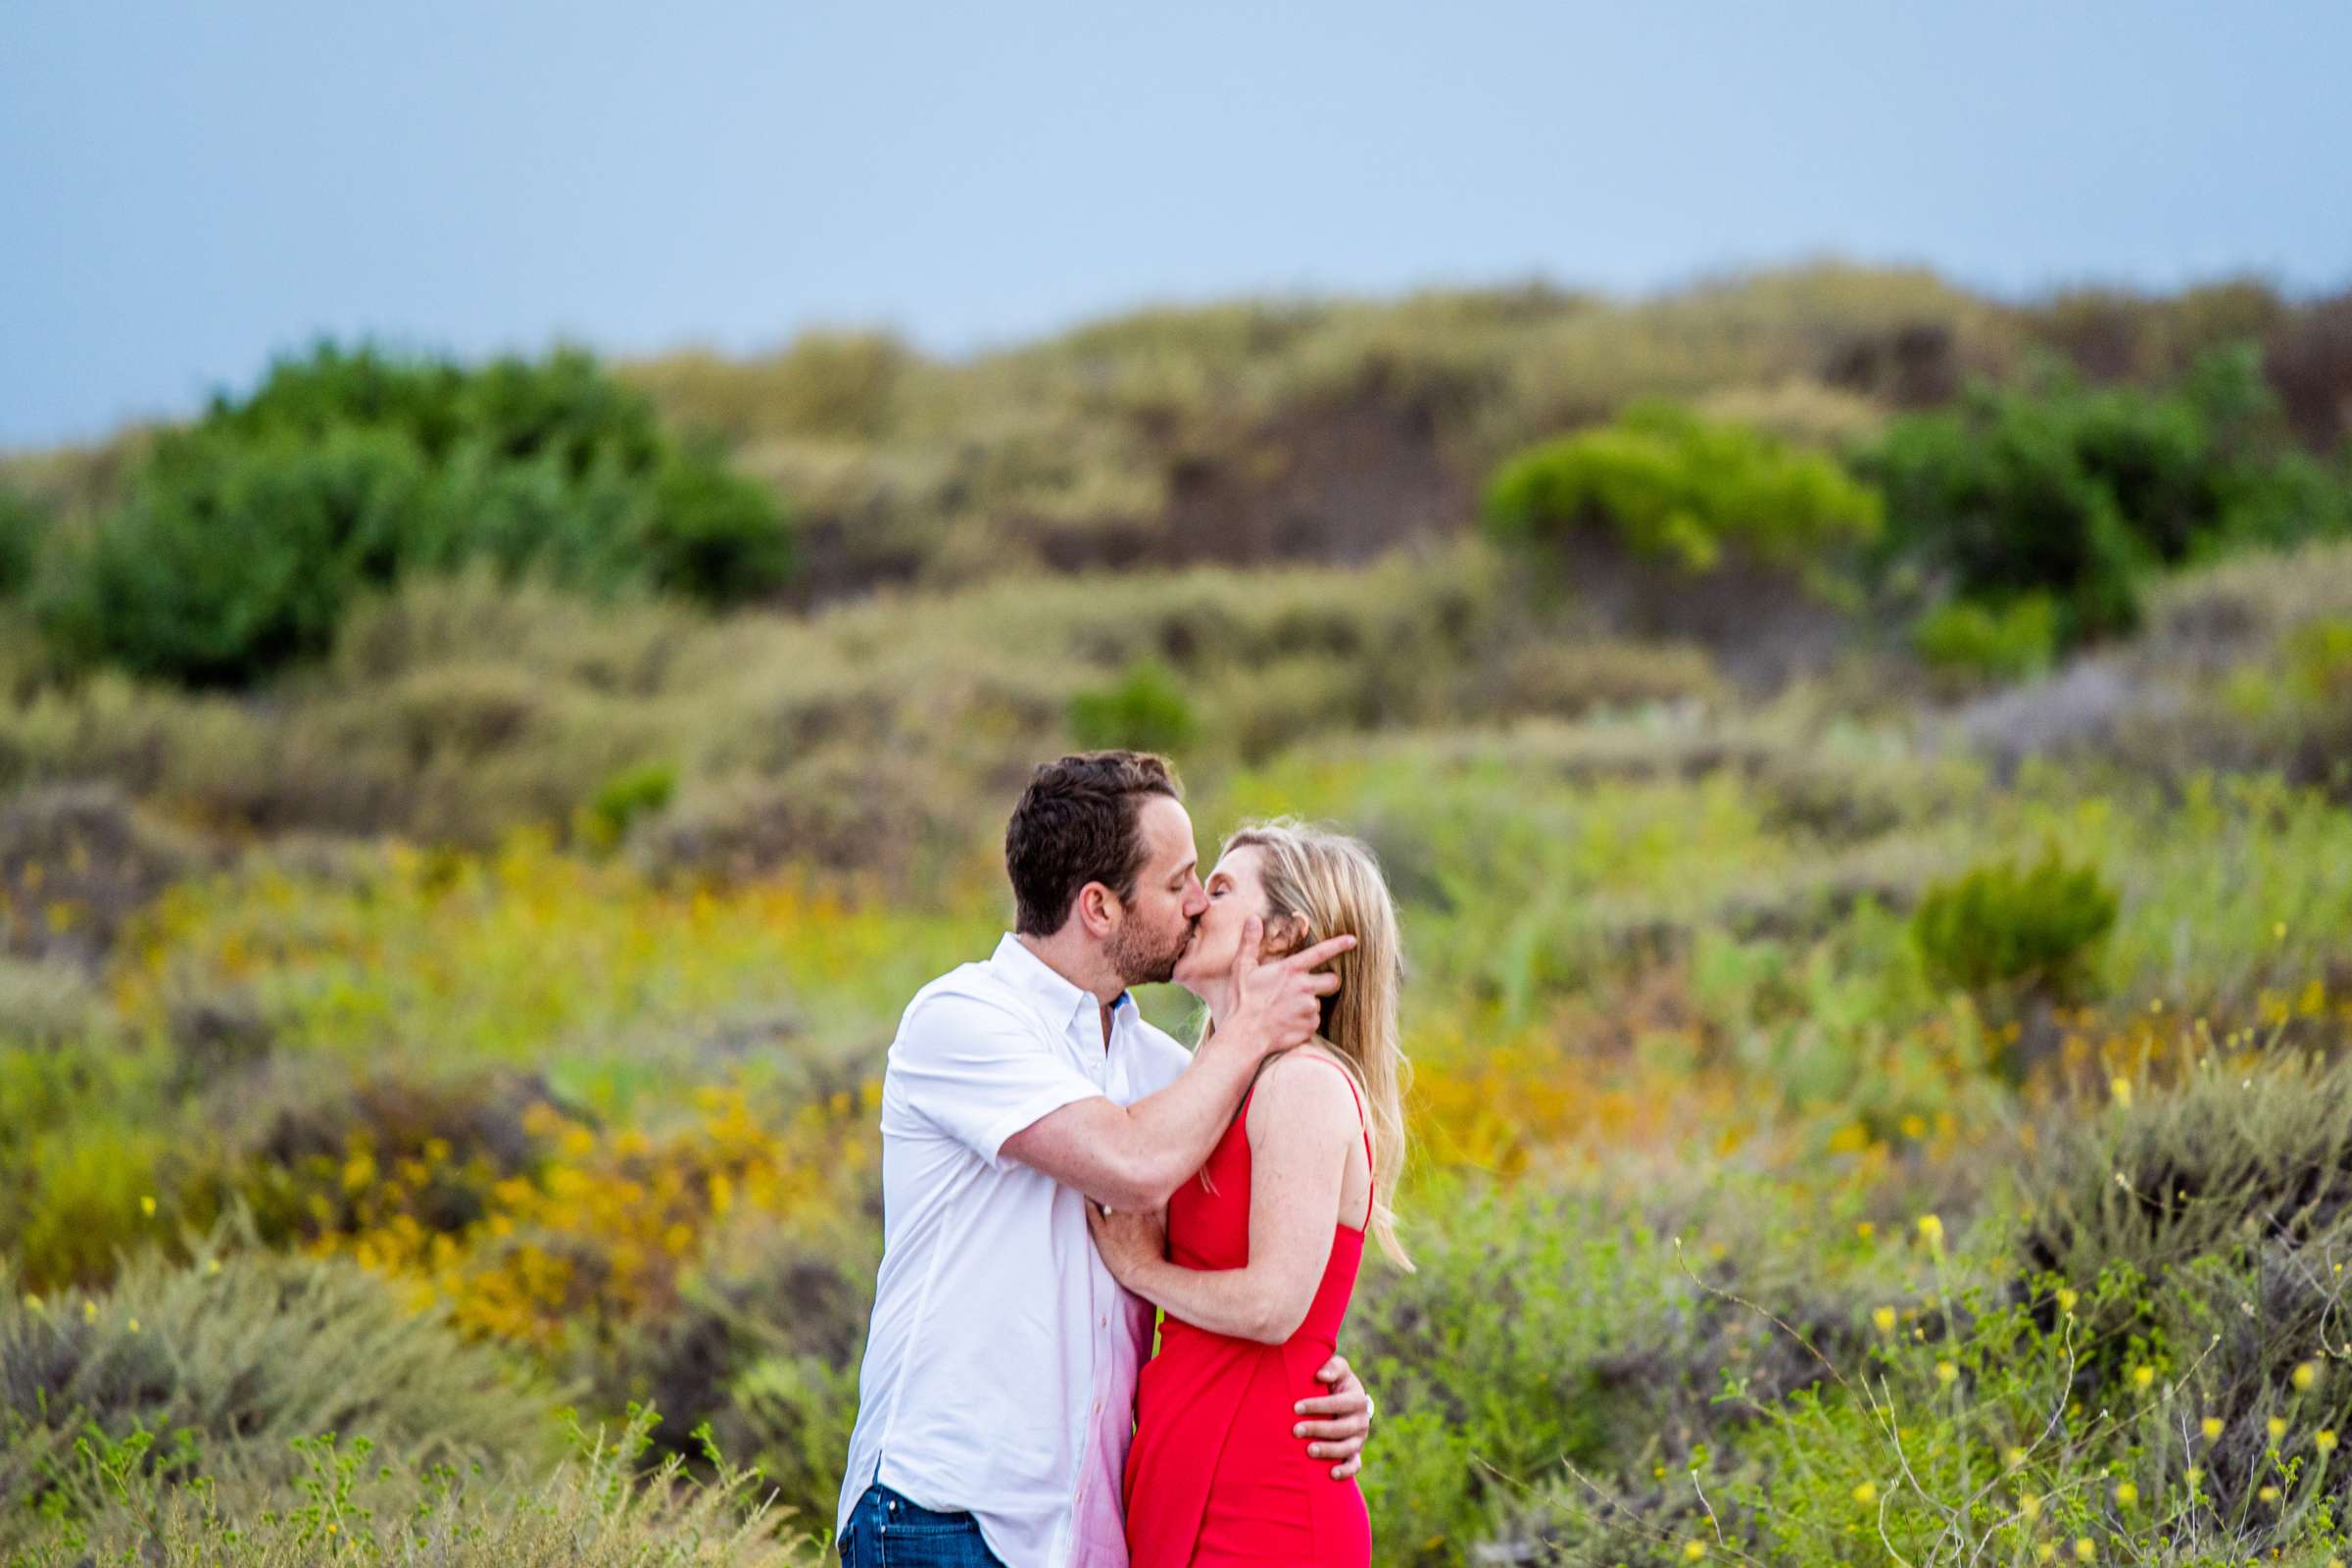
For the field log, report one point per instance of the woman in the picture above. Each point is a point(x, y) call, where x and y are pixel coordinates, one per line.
point(1259, 1251)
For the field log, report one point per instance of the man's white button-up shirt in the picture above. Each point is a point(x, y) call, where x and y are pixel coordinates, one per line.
point(1000, 1364)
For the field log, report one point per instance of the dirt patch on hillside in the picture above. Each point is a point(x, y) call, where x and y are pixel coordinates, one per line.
point(1339, 482)
point(1759, 622)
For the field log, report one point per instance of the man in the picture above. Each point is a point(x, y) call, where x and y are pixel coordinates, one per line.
point(997, 1399)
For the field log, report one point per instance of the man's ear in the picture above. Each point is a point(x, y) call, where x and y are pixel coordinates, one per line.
point(1096, 906)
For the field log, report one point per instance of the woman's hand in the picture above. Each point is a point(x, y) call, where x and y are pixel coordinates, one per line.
point(1128, 1242)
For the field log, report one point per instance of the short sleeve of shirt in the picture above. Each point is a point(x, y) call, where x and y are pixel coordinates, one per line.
point(980, 1071)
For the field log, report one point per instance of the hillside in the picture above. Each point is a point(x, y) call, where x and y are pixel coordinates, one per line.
point(1864, 769)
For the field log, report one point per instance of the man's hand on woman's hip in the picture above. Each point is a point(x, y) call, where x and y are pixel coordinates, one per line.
point(1336, 1424)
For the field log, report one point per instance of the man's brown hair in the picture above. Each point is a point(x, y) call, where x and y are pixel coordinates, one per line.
point(1078, 822)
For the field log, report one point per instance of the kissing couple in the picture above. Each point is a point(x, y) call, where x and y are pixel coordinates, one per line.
point(1056, 1171)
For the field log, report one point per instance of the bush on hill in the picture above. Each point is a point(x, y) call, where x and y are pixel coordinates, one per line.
point(1670, 485)
point(229, 1359)
point(1145, 708)
point(2050, 487)
point(20, 537)
point(2000, 925)
point(246, 536)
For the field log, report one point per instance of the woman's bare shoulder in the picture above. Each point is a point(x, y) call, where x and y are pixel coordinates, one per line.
point(1305, 1085)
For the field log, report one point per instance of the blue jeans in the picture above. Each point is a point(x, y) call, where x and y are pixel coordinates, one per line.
point(886, 1530)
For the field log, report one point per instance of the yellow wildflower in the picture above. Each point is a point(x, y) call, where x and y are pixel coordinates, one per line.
point(2212, 1427)
point(2267, 1493)
point(1695, 1549)
point(2277, 1427)
point(2325, 1440)
point(89, 1311)
point(2013, 1458)
point(2126, 1494)
point(1946, 1372)
point(2029, 1504)
point(2121, 1089)
point(147, 1206)
point(134, 1325)
point(1866, 1230)
point(2044, 1552)
point(1930, 1229)
point(2067, 1300)
point(2142, 1376)
point(2085, 1551)
point(1883, 1317)
point(2306, 1375)
point(1866, 1493)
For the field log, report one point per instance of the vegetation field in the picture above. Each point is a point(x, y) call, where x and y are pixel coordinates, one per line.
point(1866, 770)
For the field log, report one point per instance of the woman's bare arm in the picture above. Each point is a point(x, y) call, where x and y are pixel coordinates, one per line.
point(1304, 1125)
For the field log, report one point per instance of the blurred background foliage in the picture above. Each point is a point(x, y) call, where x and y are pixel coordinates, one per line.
point(1864, 767)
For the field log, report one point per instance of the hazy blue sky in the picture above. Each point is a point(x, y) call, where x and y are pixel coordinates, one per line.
point(187, 185)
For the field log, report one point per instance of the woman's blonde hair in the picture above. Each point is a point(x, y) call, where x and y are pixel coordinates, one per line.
point(1323, 883)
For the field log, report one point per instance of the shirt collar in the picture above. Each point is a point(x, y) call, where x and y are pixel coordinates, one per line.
point(1056, 993)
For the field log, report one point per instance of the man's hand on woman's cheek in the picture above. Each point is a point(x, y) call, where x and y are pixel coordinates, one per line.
point(1337, 1423)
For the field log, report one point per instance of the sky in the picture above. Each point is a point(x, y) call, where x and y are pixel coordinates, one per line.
point(188, 188)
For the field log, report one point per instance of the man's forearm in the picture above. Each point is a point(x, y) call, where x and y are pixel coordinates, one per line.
point(1170, 1134)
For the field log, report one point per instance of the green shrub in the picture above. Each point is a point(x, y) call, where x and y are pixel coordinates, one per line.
point(630, 795)
point(2000, 925)
point(801, 1408)
point(1543, 1328)
point(246, 1350)
point(2053, 488)
point(2166, 1174)
point(2222, 1198)
point(351, 1502)
point(2318, 661)
point(233, 560)
point(1145, 708)
point(21, 526)
point(1991, 642)
point(763, 1346)
point(246, 537)
point(711, 535)
point(1672, 487)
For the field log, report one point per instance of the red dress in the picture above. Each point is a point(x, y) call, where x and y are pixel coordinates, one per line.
point(1214, 1476)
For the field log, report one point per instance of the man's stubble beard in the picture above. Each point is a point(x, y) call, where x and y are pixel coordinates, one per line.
point(1135, 965)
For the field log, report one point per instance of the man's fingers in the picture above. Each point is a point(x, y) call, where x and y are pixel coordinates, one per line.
point(1254, 941)
point(1321, 953)
point(1354, 1430)
point(1333, 1405)
point(1322, 983)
